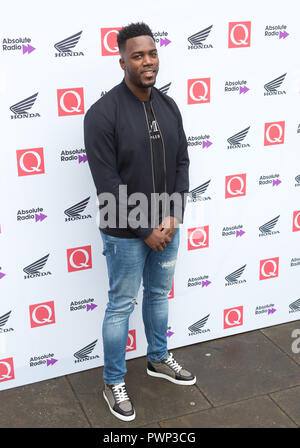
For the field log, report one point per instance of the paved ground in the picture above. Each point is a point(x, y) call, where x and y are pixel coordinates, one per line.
point(247, 380)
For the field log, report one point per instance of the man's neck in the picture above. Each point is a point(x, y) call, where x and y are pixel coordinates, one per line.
point(142, 93)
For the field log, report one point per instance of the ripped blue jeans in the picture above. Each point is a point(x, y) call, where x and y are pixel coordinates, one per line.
point(128, 261)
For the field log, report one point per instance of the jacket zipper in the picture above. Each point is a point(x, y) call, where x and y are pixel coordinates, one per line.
point(151, 151)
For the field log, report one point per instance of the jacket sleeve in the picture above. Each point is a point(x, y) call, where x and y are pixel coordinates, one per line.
point(182, 171)
point(100, 146)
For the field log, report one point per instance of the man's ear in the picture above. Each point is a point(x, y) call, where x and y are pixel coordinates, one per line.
point(122, 64)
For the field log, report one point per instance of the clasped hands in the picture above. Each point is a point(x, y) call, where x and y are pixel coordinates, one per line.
point(163, 234)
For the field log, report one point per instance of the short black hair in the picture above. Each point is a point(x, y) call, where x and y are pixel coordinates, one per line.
point(133, 30)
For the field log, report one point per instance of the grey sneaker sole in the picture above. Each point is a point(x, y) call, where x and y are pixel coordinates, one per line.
point(173, 380)
point(116, 414)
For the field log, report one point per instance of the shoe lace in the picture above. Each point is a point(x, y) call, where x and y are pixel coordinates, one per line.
point(120, 392)
point(173, 363)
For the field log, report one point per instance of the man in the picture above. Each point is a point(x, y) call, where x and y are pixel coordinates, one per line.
point(134, 137)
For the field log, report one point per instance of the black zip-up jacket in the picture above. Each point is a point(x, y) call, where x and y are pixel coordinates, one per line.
point(119, 152)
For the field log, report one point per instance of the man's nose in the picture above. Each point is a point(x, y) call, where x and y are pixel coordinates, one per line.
point(147, 60)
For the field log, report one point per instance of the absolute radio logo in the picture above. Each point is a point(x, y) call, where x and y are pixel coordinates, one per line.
point(74, 213)
point(200, 280)
point(269, 268)
point(20, 109)
point(83, 304)
point(70, 101)
point(297, 179)
point(196, 194)
point(202, 141)
point(78, 155)
point(18, 44)
point(1, 273)
point(296, 221)
point(46, 360)
point(83, 354)
point(197, 327)
point(198, 40)
point(36, 214)
point(239, 86)
point(33, 269)
point(6, 369)
point(235, 141)
point(274, 133)
point(170, 332)
point(239, 34)
point(276, 31)
point(233, 317)
point(42, 314)
point(295, 262)
point(198, 91)
point(198, 238)
point(131, 341)
point(233, 277)
point(3, 321)
point(65, 46)
point(109, 44)
point(30, 161)
point(267, 228)
point(235, 185)
point(79, 258)
point(271, 88)
point(160, 37)
point(265, 309)
point(236, 230)
point(269, 179)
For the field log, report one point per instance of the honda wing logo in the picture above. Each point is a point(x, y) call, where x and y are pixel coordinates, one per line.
point(268, 226)
point(66, 45)
point(236, 139)
point(198, 38)
point(198, 191)
point(75, 210)
point(197, 326)
point(83, 353)
point(4, 319)
point(23, 106)
point(272, 86)
point(165, 89)
point(34, 268)
point(234, 276)
point(295, 306)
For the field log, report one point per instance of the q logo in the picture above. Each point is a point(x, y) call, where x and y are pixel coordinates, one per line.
point(269, 268)
point(198, 238)
point(274, 133)
point(233, 317)
point(30, 161)
point(235, 185)
point(42, 314)
point(79, 258)
point(239, 34)
point(131, 341)
point(199, 91)
point(109, 44)
point(70, 101)
point(6, 369)
point(296, 221)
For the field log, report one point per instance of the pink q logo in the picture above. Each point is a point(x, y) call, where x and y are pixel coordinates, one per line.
point(296, 221)
point(199, 91)
point(269, 268)
point(70, 101)
point(6, 369)
point(131, 341)
point(235, 185)
point(198, 238)
point(42, 314)
point(239, 34)
point(30, 161)
point(109, 42)
point(233, 317)
point(274, 133)
point(79, 258)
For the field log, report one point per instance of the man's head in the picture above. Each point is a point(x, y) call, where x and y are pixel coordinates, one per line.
point(139, 58)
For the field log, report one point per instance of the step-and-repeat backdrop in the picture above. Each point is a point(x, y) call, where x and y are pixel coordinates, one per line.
point(234, 72)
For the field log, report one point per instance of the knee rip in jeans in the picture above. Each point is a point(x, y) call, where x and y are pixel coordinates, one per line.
point(168, 264)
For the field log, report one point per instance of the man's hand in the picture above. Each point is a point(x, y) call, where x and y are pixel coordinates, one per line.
point(163, 234)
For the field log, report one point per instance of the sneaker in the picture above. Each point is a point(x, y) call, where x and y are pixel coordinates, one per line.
point(170, 370)
point(118, 401)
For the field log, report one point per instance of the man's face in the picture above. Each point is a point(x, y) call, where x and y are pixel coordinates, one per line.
point(140, 61)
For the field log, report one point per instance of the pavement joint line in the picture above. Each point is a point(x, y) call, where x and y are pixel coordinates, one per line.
point(281, 349)
point(283, 411)
point(198, 387)
point(79, 402)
